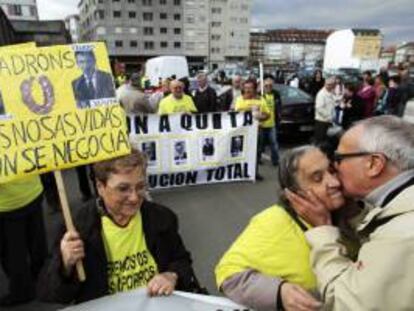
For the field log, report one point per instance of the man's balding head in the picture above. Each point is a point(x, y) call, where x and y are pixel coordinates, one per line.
point(177, 89)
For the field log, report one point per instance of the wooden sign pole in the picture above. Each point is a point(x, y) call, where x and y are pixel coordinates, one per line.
point(68, 218)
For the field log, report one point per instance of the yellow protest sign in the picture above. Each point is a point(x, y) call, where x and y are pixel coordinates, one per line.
point(57, 109)
point(19, 46)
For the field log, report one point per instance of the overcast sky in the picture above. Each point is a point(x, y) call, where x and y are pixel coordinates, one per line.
point(393, 17)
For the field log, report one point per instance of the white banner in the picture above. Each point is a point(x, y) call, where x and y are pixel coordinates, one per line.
point(185, 149)
point(139, 300)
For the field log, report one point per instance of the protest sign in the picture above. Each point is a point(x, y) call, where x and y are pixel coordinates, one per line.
point(185, 149)
point(18, 46)
point(57, 109)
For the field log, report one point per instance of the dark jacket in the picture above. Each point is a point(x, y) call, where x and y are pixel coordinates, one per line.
point(160, 228)
point(355, 112)
point(206, 101)
point(104, 89)
point(226, 100)
point(278, 107)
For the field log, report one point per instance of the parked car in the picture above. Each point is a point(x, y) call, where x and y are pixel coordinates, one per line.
point(298, 109)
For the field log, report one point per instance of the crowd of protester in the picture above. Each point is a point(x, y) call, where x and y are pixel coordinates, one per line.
point(340, 235)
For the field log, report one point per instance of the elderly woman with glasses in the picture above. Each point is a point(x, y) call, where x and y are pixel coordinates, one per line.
point(124, 241)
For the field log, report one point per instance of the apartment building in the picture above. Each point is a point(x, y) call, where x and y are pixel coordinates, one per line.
point(20, 9)
point(208, 32)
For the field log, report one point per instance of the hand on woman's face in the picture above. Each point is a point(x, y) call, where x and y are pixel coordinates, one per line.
point(123, 192)
point(316, 174)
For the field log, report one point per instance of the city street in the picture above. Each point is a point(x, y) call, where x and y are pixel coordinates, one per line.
point(210, 219)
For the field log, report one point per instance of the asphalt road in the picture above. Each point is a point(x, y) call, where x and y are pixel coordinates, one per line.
point(211, 217)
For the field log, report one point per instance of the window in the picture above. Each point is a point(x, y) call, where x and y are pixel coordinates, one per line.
point(119, 44)
point(177, 2)
point(215, 37)
point(148, 16)
point(164, 44)
point(101, 31)
point(133, 44)
point(148, 31)
point(115, 0)
point(148, 45)
point(100, 14)
point(131, 1)
point(100, 1)
point(117, 14)
point(216, 10)
point(33, 11)
point(177, 31)
point(163, 15)
point(215, 24)
point(177, 17)
point(15, 9)
point(133, 30)
point(147, 2)
point(177, 45)
point(163, 30)
point(132, 14)
point(163, 2)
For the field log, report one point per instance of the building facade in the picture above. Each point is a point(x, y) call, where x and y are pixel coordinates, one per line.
point(72, 25)
point(287, 46)
point(208, 32)
point(20, 9)
point(405, 53)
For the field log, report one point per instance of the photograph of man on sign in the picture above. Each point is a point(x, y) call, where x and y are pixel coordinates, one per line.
point(236, 147)
point(2, 110)
point(208, 152)
point(180, 152)
point(93, 83)
point(149, 149)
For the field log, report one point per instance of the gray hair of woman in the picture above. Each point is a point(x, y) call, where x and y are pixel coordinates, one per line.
point(288, 169)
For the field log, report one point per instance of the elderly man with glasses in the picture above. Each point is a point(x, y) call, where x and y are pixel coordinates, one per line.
point(375, 163)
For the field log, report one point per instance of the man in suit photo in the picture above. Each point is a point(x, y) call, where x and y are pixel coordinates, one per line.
point(180, 152)
point(236, 146)
point(93, 83)
point(2, 110)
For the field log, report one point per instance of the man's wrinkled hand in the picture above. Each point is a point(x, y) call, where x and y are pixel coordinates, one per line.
point(296, 298)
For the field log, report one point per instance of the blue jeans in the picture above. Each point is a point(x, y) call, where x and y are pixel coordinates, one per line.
point(268, 136)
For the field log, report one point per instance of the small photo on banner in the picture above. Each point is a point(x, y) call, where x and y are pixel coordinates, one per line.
point(207, 149)
point(93, 87)
point(237, 146)
point(149, 148)
point(180, 152)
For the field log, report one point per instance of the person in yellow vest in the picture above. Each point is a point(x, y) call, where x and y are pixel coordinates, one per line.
point(251, 101)
point(124, 241)
point(177, 101)
point(23, 246)
point(268, 128)
point(268, 266)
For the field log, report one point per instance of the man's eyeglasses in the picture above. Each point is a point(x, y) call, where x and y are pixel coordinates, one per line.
point(338, 157)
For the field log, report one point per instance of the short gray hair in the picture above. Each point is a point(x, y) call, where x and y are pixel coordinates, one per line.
point(391, 136)
point(289, 165)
